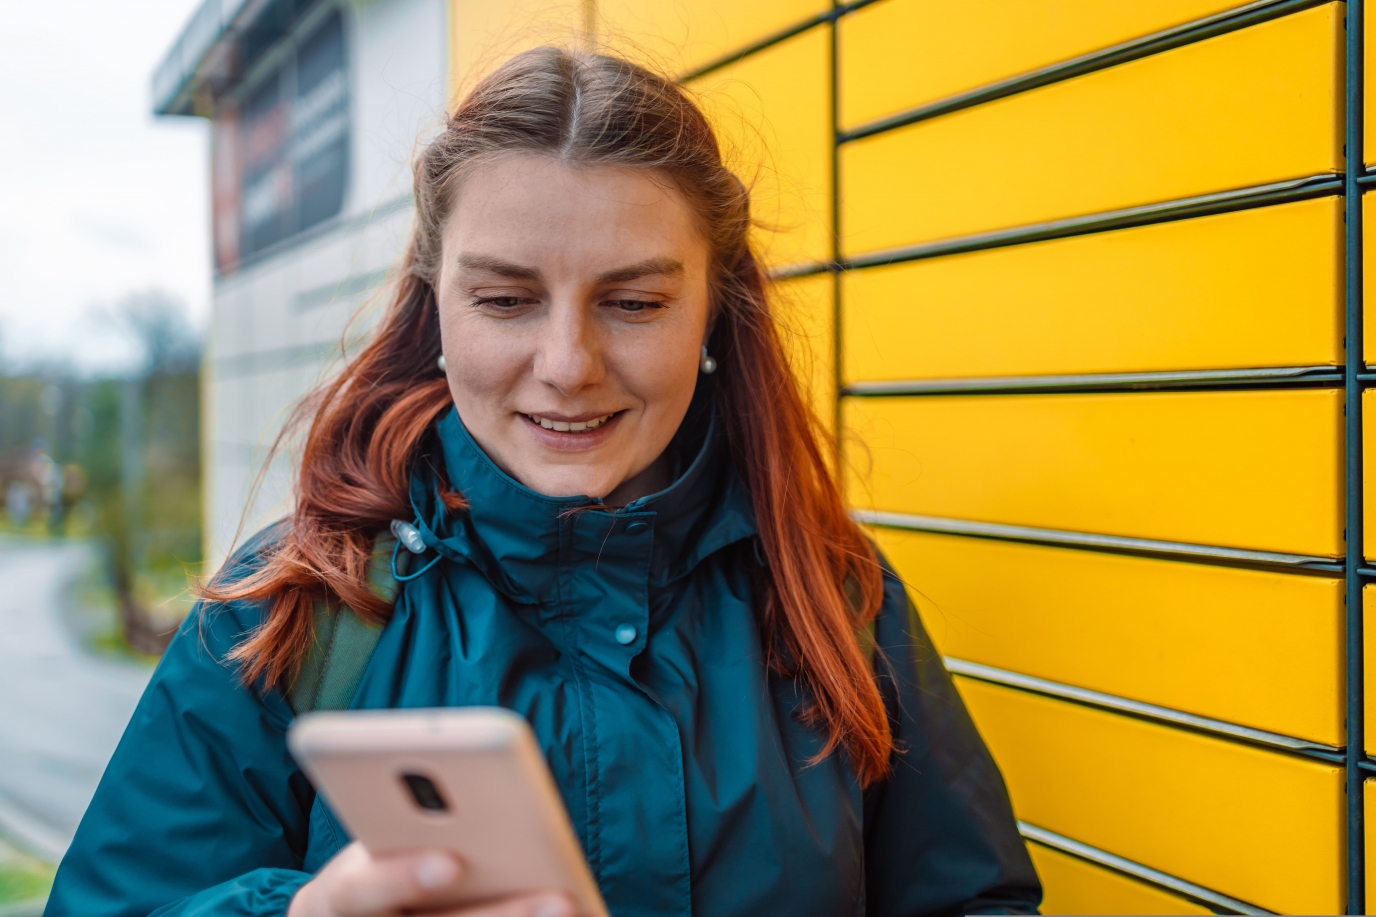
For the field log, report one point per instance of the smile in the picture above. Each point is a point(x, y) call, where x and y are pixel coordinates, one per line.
point(567, 426)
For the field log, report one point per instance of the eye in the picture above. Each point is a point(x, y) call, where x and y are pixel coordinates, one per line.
point(500, 302)
point(634, 305)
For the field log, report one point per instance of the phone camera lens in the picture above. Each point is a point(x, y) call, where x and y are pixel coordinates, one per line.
point(424, 792)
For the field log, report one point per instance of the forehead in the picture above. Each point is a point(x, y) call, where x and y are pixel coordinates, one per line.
point(539, 207)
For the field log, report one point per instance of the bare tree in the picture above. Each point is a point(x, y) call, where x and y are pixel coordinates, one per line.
point(160, 326)
point(170, 352)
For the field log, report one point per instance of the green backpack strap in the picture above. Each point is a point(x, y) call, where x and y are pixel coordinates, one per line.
point(344, 643)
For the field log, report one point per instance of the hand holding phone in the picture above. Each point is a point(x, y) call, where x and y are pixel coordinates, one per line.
point(356, 884)
point(467, 784)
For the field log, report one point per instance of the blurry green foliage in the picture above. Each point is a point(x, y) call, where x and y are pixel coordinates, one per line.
point(118, 459)
point(23, 877)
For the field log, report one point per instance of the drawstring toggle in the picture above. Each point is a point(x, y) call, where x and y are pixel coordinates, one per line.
point(409, 536)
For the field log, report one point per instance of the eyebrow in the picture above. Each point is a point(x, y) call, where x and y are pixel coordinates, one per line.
point(497, 266)
point(670, 267)
point(667, 267)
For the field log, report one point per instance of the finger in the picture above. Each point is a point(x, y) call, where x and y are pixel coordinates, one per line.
point(381, 885)
point(547, 904)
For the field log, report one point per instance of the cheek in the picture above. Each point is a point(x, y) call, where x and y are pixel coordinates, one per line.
point(482, 366)
point(663, 376)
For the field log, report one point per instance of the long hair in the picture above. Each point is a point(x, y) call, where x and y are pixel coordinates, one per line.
point(822, 583)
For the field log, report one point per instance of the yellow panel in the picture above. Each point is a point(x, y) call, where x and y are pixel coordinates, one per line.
point(1369, 671)
point(1369, 103)
point(1073, 886)
point(1248, 289)
point(1241, 109)
point(901, 53)
point(1369, 470)
point(1256, 470)
point(1369, 271)
point(1257, 825)
point(1369, 799)
point(676, 36)
point(484, 33)
point(771, 112)
point(804, 312)
point(1255, 648)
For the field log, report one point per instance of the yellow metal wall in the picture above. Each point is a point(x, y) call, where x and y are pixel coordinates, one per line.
point(901, 346)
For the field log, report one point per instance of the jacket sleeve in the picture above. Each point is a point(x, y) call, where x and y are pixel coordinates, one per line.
point(940, 837)
point(201, 810)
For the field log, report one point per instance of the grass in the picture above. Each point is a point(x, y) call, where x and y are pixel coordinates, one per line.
point(23, 877)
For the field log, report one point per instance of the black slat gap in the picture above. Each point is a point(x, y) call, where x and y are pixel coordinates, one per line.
point(775, 38)
point(1217, 902)
point(811, 269)
point(1150, 713)
point(761, 45)
point(1203, 380)
point(1302, 565)
point(1302, 189)
point(1354, 506)
point(838, 344)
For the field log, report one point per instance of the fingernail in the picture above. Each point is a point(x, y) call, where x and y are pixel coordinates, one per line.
point(554, 907)
point(436, 871)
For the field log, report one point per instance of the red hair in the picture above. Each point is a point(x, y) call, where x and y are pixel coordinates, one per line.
point(823, 583)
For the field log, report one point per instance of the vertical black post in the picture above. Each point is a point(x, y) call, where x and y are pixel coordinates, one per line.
point(1354, 165)
point(837, 343)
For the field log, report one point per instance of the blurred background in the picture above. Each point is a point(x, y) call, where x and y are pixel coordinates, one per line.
point(1074, 282)
point(104, 246)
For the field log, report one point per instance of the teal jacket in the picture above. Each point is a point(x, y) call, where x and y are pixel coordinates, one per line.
point(629, 641)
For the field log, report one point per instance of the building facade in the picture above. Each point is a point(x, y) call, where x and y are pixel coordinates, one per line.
point(316, 108)
point(1074, 281)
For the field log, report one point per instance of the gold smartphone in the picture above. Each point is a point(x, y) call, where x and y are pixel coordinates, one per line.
point(468, 779)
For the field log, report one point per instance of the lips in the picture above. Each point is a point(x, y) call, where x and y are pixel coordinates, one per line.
point(570, 426)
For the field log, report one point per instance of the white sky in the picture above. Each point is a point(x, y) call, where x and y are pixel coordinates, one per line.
point(97, 197)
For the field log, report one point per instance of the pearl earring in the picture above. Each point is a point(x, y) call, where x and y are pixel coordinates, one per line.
point(440, 363)
point(707, 364)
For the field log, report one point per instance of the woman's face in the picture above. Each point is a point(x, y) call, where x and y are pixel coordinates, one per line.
point(573, 306)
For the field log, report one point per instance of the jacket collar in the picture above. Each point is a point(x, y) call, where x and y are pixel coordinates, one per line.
point(519, 538)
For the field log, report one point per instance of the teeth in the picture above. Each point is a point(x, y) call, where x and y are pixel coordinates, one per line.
point(561, 426)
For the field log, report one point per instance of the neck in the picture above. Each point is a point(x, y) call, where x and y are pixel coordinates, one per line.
point(652, 480)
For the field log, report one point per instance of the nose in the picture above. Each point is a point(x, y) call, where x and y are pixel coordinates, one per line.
point(569, 356)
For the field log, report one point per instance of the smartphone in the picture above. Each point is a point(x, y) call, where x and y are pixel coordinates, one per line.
point(469, 779)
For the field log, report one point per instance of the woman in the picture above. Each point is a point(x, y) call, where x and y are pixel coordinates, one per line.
point(631, 536)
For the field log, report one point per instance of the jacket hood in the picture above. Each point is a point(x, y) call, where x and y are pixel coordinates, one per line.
point(517, 537)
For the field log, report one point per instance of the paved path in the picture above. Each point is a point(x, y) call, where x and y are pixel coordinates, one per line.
point(62, 710)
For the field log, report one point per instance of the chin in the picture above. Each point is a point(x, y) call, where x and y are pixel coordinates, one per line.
point(565, 485)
